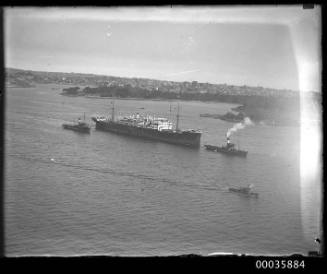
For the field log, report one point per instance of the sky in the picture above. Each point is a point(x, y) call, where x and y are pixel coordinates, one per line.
point(269, 46)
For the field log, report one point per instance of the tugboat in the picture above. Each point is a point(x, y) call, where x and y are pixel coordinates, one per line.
point(229, 149)
point(247, 191)
point(81, 126)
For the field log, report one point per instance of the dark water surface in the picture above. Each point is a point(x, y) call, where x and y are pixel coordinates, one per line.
point(68, 193)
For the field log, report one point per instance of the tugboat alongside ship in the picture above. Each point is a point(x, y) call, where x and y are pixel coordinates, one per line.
point(148, 127)
point(153, 128)
point(80, 126)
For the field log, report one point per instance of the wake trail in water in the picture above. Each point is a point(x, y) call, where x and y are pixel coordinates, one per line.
point(117, 173)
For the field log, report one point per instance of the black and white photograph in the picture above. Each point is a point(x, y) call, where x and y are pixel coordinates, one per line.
point(139, 131)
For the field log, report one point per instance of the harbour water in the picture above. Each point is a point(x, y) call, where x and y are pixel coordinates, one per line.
point(71, 194)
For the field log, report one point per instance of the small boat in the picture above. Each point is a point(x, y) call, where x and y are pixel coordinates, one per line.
point(228, 149)
point(81, 126)
point(246, 191)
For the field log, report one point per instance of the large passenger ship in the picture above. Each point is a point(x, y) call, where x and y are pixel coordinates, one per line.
point(149, 127)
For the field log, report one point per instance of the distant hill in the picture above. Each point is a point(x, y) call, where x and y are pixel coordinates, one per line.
point(19, 77)
point(258, 103)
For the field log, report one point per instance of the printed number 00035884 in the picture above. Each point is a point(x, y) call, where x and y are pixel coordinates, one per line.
point(282, 264)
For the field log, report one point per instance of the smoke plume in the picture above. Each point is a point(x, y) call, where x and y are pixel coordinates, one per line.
point(246, 122)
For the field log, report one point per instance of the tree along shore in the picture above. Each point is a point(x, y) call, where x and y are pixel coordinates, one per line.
point(276, 110)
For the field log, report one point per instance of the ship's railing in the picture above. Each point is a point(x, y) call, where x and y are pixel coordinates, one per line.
point(100, 118)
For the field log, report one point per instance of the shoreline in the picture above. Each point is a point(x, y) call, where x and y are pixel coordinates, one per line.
point(120, 98)
point(149, 99)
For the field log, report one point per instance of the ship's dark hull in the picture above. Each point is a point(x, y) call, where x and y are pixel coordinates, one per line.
point(249, 194)
point(76, 128)
point(185, 138)
point(232, 152)
point(231, 120)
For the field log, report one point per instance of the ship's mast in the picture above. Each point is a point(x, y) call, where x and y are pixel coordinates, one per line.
point(113, 111)
point(177, 117)
point(238, 141)
point(170, 111)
